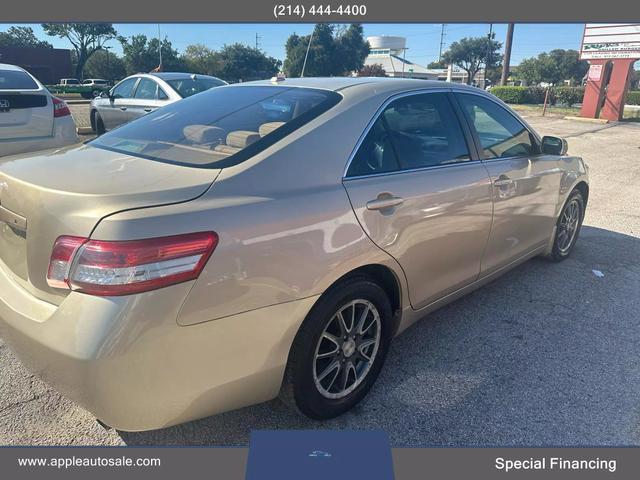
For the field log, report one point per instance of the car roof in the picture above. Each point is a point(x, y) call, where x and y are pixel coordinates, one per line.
point(15, 68)
point(175, 75)
point(377, 84)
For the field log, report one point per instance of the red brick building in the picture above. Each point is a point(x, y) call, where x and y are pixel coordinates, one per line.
point(48, 65)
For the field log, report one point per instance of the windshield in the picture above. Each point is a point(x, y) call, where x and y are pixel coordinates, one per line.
point(72, 81)
point(16, 80)
point(190, 86)
point(220, 127)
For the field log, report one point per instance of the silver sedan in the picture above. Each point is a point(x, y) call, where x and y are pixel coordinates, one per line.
point(137, 95)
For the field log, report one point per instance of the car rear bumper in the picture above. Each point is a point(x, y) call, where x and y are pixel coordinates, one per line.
point(126, 360)
point(64, 134)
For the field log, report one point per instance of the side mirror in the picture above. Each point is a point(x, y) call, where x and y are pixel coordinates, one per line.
point(554, 145)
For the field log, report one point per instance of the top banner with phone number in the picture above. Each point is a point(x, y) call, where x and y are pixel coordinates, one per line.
point(305, 11)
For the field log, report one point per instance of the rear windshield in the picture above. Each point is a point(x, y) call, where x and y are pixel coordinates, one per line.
point(219, 127)
point(190, 86)
point(16, 80)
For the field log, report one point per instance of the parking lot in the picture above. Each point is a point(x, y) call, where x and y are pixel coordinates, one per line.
point(546, 355)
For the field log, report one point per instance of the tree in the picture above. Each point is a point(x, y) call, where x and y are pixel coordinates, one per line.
point(242, 63)
point(143, 55)
point(333, 51)
point(437, 65)
point(201, 59)
point(104, 64)
point(553, 67)
point(21, 37)
point(86, 38)
point(374, 70)
point(471, 53)
point(352, 48)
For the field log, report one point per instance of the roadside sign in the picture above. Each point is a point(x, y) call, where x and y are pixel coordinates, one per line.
point(610, 40)
point(595, 73)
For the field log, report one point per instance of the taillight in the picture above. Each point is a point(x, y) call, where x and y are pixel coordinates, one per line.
point(108, 268)
point(60, 108)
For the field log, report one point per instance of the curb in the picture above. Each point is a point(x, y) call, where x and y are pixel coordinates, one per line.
point(587, 120)
point(84, 131)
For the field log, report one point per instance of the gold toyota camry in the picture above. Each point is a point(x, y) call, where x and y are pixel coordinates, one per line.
point(268, 239)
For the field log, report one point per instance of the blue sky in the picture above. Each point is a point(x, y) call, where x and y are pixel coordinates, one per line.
point(422, 39)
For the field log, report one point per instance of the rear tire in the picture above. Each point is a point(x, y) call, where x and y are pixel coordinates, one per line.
point(568, 227)
point(96, 123)
point(355, 347)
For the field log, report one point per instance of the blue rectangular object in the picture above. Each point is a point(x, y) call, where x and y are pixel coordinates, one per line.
point(319, 455)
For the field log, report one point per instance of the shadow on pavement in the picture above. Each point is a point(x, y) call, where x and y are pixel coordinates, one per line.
point(546, 355)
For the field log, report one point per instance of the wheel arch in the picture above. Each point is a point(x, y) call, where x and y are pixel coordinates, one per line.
point(583, 187)
point(387, 279)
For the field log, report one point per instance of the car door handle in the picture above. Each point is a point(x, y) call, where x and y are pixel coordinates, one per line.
point(382, 203)
point(148, 109)
point(123, 108)
point(502, 181)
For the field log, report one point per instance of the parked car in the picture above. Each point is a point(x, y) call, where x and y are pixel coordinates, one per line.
point(30, 117)
point(96, 82)
point(211, 256)
point(138, 95)
point(90, 88)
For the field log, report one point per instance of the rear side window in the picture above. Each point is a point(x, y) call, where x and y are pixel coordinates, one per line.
point(146, 89)
point(219, 127)
point(416, 131)
point(16, 80)
point(501, 134)
point(187, 87)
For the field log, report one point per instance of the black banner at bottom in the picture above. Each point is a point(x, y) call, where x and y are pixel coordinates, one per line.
point(185, 463)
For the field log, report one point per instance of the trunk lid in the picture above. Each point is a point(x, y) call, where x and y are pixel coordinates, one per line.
point(67, 192)
point(25, 115)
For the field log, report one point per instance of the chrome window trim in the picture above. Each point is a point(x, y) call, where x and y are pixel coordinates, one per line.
point(413, 170)
point(375, 117)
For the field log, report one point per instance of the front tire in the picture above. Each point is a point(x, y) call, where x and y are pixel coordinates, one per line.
point(568, 227)
point(339, 350)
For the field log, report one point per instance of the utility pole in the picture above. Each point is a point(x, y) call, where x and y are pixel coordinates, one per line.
point(488, 57)
point(257, 41)
point(506, 60)
point(159, 49)
point(304, 64)
point(442, 35)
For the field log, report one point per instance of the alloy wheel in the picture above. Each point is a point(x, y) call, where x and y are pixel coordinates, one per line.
point(347, 349)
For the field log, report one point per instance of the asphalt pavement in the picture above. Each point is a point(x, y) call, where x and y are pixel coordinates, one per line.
point(547, 355)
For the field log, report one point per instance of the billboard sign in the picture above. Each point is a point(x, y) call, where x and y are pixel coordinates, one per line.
point(610, 40)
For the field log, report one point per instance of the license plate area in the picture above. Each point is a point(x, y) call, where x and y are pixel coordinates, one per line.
point(13, 242)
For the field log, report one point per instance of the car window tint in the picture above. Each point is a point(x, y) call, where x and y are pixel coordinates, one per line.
point(375, 154)
point(425, 131)
point(16, 80)
point(161, 94)
point(222, 126)
point(501, 134)
point(146, 89)
point(125, 88)
point(187, 87)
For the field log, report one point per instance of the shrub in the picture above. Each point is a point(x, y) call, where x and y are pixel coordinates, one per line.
point(568, 95)
point(535, 95)
point(511, 94)
point(633, 97)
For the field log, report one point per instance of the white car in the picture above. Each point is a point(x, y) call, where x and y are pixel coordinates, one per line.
point(31, 118)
